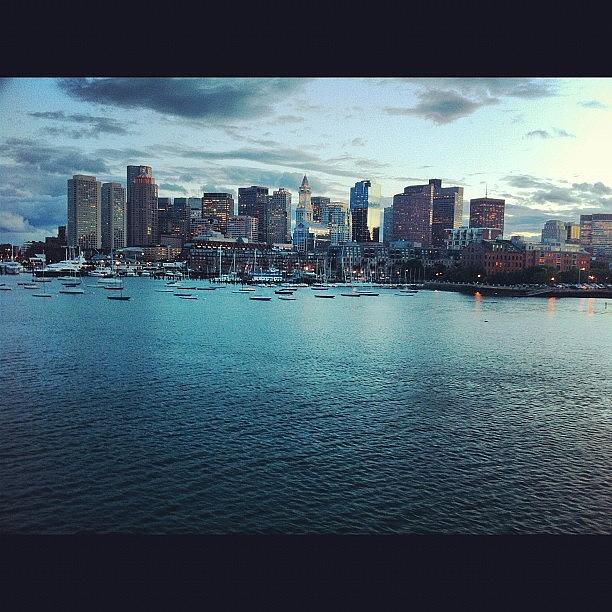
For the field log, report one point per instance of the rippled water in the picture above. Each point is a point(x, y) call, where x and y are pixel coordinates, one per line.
point(435, 413)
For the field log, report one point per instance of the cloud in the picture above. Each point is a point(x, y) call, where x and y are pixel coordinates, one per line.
point(53, 160)
point(97, 124)
point(284, 119)
point(190, 98)
point(592, 104)
point(439, 106)
point(358, 142)
point(444, 100)
point(541, 199)
point(556, 133)
point(284, 157)
point(172, 187)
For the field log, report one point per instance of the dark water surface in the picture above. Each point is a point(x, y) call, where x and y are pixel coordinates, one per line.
point(436, 413)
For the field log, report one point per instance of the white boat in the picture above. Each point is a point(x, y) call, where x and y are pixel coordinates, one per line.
point(67, 267)
point(72, 291)
point(11, 267)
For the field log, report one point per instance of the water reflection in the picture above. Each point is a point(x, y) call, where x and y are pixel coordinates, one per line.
point(477, 302)
point(550, 306)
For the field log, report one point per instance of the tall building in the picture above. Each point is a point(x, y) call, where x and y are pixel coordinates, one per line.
point(114, 216)
point(243, 226)
point(318, 203)
point(173, 221)
point(218, 207)
point(554, 231)
point(334, 215)
point(359, 211)
point(304, 211)
point(252, 202)
point(195, 207)
point(596, 234)
point(143, 211)
point(413, 213)
point(387, 224)
point(447, 211)
point(572, 233)
point(281, 199)
point(374, 211)
point(132, 173)
point(487, 212)
point(84, 212)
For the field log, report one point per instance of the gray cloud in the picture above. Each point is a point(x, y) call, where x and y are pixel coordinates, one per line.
point(540, 199)
point(54, 160)
point(440, 106)
point(97, 124)
point(172, 187)
point(556, 133)
point(285, 157)
point(189, 98)
point(592, 104)
point(443, 100)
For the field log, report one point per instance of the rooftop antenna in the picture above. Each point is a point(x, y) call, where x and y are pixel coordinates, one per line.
point(486, 191)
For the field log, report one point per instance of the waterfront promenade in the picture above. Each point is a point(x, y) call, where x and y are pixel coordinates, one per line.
point(519, 290)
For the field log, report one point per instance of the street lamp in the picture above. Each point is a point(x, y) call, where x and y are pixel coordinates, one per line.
point(579, 274)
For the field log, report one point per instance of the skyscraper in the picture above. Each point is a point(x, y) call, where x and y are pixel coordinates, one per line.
point(281, 200)
point(387, 224)
point(413, 213)
point(334, 216)
point(143, 211)
point(132, 173)
point(195, 207)
point(304, 211)
point(218, 207)
point(572, 233)
point(173, 220)
point(374, 210)
point(318, 203)
point(487, 212)
point(84, 212)
point(114, 217)
point(243, 226)
point(553, 231)
point(252, 202)
point(447, 211)
point(359, 211)
point(596, 233)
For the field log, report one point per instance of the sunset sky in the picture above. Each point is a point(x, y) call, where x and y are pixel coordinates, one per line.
point(542, 144)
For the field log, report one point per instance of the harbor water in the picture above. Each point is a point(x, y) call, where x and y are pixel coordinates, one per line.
point(432, 412)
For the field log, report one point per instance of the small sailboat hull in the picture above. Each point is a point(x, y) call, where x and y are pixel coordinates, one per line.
point(122, 298)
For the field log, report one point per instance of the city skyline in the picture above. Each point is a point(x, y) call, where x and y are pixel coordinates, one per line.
point(537, 143)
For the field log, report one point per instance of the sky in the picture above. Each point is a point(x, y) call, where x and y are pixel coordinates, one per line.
point(541, 144)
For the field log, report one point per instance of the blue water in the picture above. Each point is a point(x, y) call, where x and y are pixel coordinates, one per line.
point(435, 413)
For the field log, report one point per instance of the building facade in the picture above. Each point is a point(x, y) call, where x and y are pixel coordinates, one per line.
point(554, 231)
point(596, 234)
point(243, 226)
point(114, 216)
point(460, 237)
point(132, 173)
point(218, 207)
point(279, 212)
point(447, 211)
point(359, 211)
point(318, 204)
point(304, 211)
point(143, 211)
point(413, 213)
point(487, 212)
point(252, 203)
point(84, 212)
point(387, 236)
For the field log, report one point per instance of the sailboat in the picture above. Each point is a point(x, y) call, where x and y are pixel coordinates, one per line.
point(43, 295)
point(118, 297)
